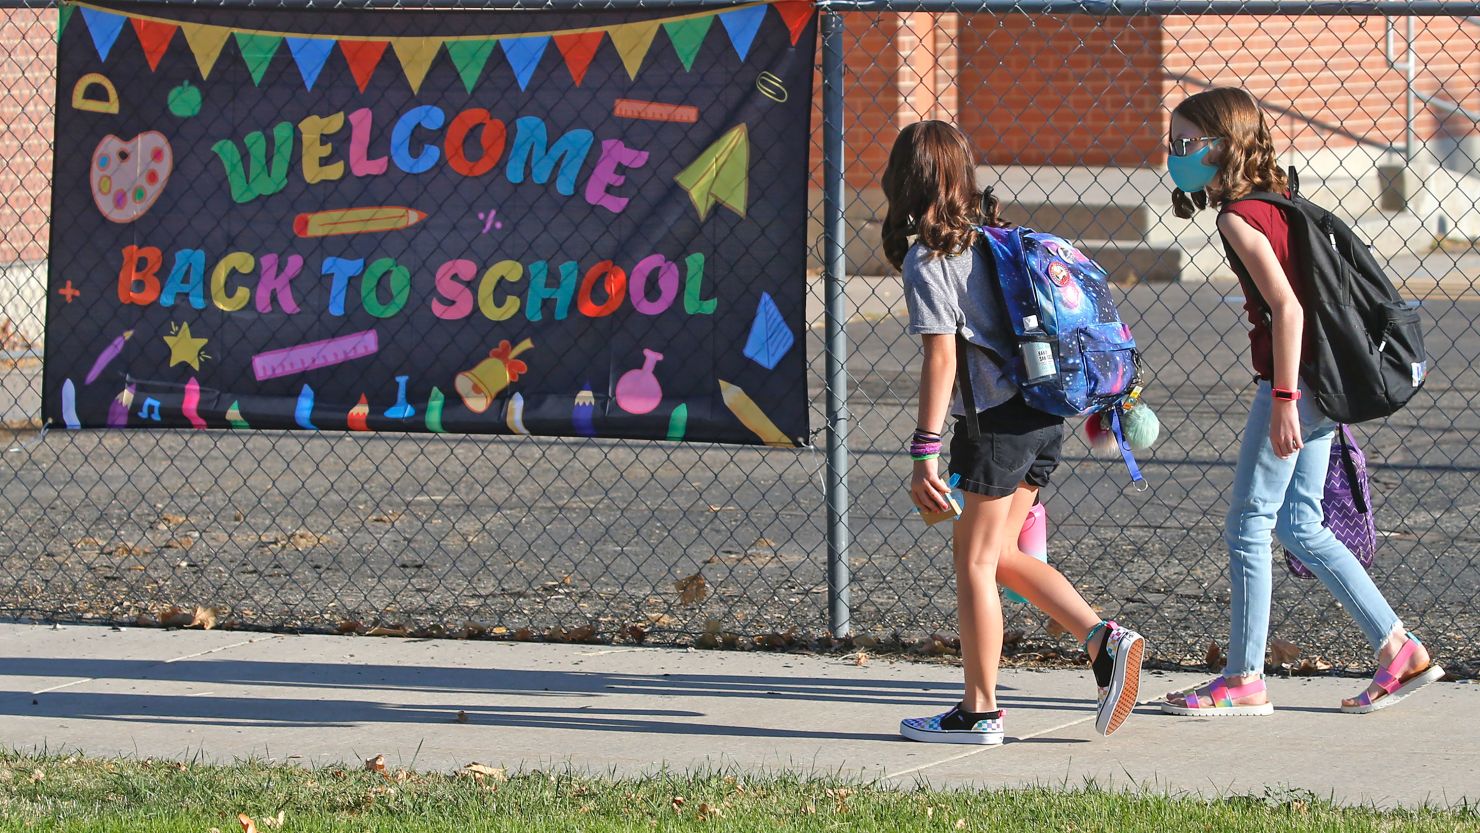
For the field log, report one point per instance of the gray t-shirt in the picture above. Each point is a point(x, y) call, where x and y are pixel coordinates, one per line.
point(949, 294)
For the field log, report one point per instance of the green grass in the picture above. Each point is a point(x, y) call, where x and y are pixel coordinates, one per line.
point(50, 792)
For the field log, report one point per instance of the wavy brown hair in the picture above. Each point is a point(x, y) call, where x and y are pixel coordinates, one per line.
point(930, 185)
point(1247, 160)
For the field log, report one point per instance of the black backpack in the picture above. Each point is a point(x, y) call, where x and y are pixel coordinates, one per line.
point(1366, 356)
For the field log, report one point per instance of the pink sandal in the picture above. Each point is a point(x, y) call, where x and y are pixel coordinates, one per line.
point(1222, 696)
point(1395, 689)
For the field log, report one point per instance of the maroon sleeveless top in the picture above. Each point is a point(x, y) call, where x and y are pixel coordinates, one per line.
point(1270, 221)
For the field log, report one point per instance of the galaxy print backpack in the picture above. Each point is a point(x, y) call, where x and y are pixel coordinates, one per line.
point(1075, 356)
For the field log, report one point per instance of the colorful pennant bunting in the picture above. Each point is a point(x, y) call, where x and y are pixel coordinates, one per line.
point(104, 28)
point(363, 56)
point(416, 56)
point(687, 36)
point(257, 49)
point(524, 55)
point(205, 43)
point(578, 50)
point(64, 14)
point(154, 37)
point(469, 57)
point(310, 54)
point(796, 13)
point(632, 41)
point(742, 24)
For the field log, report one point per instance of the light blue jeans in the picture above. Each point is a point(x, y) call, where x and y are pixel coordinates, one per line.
point(1283, 497)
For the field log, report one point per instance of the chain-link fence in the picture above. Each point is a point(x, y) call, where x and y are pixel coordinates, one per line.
point(1067, 103)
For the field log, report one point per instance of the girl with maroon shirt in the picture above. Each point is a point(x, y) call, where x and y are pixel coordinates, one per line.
point(1222, 151)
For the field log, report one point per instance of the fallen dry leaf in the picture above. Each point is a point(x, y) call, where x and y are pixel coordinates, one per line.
point(248, 826)
point(88, 542)
point(37, 775)
point(174, 617)
point(204, 618)
point(303, 540)
point(691, 590)
point(179, 543)
point(1282, 652)
point(385, 518)
point(351, 626)
point(677, 802)
point(860, 659)
point(707, 811)
point(636, 633)
point(960, 824)
point(275, 821)
point(172, 520)
point(659, 620)
point(1214, 657)
point(375, 764)
point(585, 633)
point(393, 630)
point(129, 551)
point(478, 772)
point(462, 716)
point(499, 630)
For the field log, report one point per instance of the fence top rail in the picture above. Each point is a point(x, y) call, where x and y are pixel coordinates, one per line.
point(1099, 8)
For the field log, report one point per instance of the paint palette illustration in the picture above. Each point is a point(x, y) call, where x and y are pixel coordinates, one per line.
point(127, 177)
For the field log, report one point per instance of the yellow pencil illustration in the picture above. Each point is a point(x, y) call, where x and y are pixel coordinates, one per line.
point(370, 218)
point(750, 414)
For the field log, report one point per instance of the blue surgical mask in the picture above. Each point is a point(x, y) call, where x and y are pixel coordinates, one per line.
point(1192, 173)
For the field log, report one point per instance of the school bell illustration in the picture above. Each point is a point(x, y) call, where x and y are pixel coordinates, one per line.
point(479, 386)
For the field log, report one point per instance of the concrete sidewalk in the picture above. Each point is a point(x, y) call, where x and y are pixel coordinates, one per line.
point(319, 700)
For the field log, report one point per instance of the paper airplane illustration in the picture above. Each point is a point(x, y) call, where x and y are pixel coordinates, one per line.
point(721, 174)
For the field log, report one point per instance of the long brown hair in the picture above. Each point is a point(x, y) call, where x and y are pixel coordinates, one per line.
point(930, 185)
point(1247, 162)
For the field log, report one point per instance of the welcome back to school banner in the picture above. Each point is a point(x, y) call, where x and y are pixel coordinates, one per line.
point(567, 224)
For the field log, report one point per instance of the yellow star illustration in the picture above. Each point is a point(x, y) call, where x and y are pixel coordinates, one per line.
point(184, 348)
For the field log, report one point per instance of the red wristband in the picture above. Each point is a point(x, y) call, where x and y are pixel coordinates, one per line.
point(1288, 395)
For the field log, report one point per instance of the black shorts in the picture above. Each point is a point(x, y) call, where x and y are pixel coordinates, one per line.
point(1018, 444)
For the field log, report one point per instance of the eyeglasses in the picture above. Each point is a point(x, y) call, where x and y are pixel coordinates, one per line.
point(1182, 147)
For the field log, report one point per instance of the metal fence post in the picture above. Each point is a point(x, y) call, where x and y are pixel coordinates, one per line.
point(835, 272)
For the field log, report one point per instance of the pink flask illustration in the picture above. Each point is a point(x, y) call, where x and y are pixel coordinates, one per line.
point(638, 391)
point(1032, 541)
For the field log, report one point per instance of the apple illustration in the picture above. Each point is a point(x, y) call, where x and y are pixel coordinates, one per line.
point(184, 100)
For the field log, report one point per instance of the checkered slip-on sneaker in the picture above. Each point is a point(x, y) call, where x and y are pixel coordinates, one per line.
point(1116, 703)
point(954, 727)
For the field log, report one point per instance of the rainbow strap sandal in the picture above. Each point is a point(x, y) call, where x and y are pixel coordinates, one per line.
point(1396, 689)
point(1222, 696)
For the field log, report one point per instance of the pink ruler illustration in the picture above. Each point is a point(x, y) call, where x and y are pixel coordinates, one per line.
point(313, 355)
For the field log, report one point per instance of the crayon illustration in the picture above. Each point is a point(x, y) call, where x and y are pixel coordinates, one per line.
point(191, 405)
point(479, 386)
point(678, 423)
point(234, 416)
point(436, 401)
point(359, 415)
point(372, 218)
point(118, 409)
point(303, 413)
point(69, 405)
point(583, 412)
point(752, 417)
point(106, 357)
point(515, 414)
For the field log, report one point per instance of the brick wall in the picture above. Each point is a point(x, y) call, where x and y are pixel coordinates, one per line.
point(27, 56)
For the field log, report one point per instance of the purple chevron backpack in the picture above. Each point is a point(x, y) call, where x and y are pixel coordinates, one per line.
point(1346, 504)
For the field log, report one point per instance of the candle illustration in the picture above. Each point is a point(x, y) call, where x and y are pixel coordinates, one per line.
point(106, 357)
point(638, 391)
point(190, 407)
point(436, 401)
point(583, 413)
point(478, 387)
point(752, 417)
point(69, 405)
point(118, 410)
point(515, 414)
point(234, 416)
point(359, 415)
